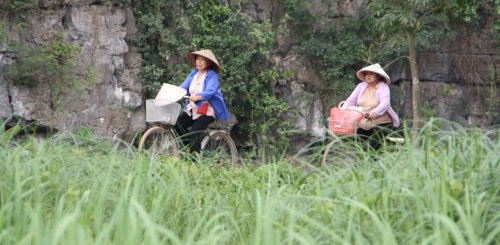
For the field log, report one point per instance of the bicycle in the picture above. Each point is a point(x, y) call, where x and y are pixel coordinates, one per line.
point(343, 146)
point(162, 138)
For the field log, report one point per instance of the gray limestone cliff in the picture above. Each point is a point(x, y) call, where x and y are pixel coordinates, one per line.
point(111, 102)
point(460, 80)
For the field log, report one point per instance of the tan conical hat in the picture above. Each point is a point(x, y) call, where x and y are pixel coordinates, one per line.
point(376, 68)
point(207, 53)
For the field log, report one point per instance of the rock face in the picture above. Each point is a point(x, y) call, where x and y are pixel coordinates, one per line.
point(460, 81)
point(110, 102)
point(306, 105)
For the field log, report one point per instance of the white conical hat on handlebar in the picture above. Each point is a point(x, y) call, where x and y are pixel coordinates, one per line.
point(376, 68)
point(169, 94)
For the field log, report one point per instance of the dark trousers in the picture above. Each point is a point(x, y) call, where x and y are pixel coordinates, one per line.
point(192, 136)
point(375, 136)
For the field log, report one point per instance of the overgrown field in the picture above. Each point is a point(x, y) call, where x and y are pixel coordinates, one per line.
point(78, 190)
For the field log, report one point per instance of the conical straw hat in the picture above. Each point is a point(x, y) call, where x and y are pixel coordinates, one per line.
point(376, 68)
point(207, 53)
point(169, 93)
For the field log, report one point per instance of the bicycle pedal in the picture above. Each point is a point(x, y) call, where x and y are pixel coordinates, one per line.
point(396, 140)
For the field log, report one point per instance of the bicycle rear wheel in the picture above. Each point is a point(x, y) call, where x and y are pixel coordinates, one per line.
point(159, 140)
point(339, 153)
point(219, 147)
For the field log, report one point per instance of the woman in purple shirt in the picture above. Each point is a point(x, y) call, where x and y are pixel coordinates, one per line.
point(374, 98)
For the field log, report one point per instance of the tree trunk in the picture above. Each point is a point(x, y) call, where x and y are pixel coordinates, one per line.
point(415, 82)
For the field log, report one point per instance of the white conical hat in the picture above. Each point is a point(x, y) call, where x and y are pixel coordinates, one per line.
point(169, 93)
point(207, 53)
point(376, 68)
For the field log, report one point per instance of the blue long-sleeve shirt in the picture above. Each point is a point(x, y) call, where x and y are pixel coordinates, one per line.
point(211, 93)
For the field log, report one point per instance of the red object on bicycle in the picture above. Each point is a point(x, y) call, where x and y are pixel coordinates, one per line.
point(344, 119)
point(202, 109)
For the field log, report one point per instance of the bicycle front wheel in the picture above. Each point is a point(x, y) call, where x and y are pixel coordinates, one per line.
point(339, 153)
point(159, 140)
point(219, 147)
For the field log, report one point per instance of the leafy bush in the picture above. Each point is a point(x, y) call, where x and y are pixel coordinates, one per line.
point(52, 60)
point(14, 6)
point(337, 46)
point(52, 63)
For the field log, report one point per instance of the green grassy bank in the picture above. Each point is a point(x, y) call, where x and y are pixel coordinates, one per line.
point(77, 190)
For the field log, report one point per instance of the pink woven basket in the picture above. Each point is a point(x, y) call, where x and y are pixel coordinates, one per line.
point(344, 119)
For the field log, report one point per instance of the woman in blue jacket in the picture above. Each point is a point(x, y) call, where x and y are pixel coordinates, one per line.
point(206, 102)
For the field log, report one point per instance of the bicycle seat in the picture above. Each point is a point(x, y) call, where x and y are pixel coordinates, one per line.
point(224, 124)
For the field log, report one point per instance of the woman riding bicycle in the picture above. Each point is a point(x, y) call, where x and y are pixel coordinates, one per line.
point(206, 102)
point(373, 96)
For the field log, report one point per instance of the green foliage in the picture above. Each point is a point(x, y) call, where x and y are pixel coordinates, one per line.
point(52, 63)
point(4, 40)
point(85, 132)
point(29, 65)
point(299, 17)
point(89, 74)
point(410, 24)
point(51, 60)
point(495, 30)
point(493, 102)
point(19, 10)
point(429, 20)
point(427, 111)
point(446, 90)
point(61, 52)
point(14, 6)
point(122, 2)
point(336, 50)
point(464, 11)
point(6, 135)
point(170, 29)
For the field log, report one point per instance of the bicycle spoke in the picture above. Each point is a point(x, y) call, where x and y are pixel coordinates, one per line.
point(340, 153)
point(160, 141)
point(160, 144)
point(219, 148)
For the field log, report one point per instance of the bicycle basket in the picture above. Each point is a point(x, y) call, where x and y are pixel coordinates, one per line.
point(344, 120)
point(166, 114)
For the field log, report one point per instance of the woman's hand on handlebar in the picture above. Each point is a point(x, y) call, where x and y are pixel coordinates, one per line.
point(195, 98)
point(370, 115)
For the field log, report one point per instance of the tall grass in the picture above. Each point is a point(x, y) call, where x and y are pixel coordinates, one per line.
point(78, 190)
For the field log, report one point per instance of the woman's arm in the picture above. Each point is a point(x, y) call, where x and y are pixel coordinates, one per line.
point(187, 81)
point(212, 86)
point(384, 98)
point(353, 98)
